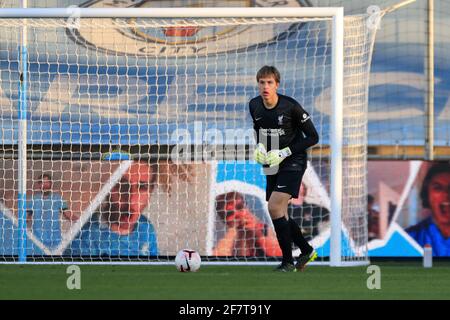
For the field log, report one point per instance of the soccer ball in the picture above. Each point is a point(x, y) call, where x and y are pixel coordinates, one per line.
point(188, 260)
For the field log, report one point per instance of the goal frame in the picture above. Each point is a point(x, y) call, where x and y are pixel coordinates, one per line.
point(336, 14)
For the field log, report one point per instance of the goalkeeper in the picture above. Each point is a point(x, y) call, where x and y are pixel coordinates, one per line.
point(284, 131)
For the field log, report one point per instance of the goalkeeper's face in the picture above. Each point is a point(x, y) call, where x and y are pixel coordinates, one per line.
point(131, 195)
point(268, 87)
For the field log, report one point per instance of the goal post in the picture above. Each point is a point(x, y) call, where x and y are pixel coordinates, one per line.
point(223, 12)
point(104, 81)
point(337, 86)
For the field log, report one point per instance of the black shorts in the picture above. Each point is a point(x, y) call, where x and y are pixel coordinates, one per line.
point(284, 181)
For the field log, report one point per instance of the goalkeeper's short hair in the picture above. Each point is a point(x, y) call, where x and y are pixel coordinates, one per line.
point(268, 71)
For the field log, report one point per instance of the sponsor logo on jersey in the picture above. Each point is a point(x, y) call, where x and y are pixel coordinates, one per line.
point(136, 37)
point(305, 118)
point(272, 132)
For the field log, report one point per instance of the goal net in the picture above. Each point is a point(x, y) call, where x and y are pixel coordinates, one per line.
point(138, 136)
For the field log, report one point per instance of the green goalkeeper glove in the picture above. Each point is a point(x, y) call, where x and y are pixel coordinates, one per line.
point(260, 154)
point(275, 157)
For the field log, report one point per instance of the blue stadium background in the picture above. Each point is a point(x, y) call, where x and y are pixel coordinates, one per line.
point(396, 103)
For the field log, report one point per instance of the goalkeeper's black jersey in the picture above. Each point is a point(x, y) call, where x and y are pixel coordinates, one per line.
point(285, 125)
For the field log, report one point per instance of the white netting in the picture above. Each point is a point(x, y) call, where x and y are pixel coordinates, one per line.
point(108, 99)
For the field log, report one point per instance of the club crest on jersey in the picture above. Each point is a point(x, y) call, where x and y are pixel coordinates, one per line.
point(137, 37)
point(280, 120)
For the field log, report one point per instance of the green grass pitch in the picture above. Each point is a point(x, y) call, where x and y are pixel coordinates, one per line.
point(399, 280)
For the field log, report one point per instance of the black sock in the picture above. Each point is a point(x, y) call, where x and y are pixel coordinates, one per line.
point(284, 238)
point(297, 237)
